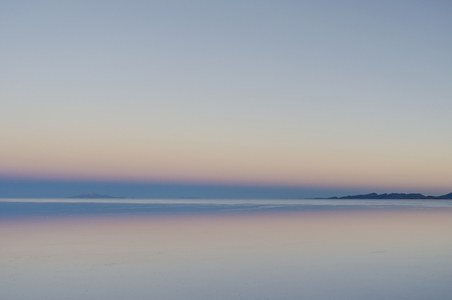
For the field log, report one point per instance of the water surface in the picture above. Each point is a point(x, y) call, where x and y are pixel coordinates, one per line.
point(225, 249)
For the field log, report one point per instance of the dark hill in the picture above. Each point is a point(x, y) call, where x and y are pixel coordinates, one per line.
point(394, 196)
point(448, 196)
point(386, 196)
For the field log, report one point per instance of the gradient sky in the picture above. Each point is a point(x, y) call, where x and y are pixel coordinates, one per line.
point(321, 94)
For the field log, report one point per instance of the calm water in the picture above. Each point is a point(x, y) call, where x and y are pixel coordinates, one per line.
point(225, 249)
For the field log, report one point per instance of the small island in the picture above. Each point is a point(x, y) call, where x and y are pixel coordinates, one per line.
point(394, 196)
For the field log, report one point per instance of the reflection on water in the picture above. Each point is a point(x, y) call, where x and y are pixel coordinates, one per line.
point(225, 249)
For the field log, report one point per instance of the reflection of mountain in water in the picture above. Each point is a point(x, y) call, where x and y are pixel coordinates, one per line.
point(394, 196)
point(92, 195)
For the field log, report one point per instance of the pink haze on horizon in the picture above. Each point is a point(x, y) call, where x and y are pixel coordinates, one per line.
point(278, 93)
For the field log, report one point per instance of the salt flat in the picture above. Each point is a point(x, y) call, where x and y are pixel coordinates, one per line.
point(225, 249)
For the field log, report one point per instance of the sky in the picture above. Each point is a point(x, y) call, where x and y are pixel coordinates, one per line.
point(311, 95)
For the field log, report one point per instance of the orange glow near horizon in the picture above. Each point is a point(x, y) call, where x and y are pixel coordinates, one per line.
point(188, 163)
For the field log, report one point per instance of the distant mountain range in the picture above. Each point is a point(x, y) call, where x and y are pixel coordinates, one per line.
point(91, 195)
point(394, 196)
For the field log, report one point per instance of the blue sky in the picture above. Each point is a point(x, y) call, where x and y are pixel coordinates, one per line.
point(350, 95)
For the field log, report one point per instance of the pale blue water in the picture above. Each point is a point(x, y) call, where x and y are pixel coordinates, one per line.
point(225, 249)
point(55, 207)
